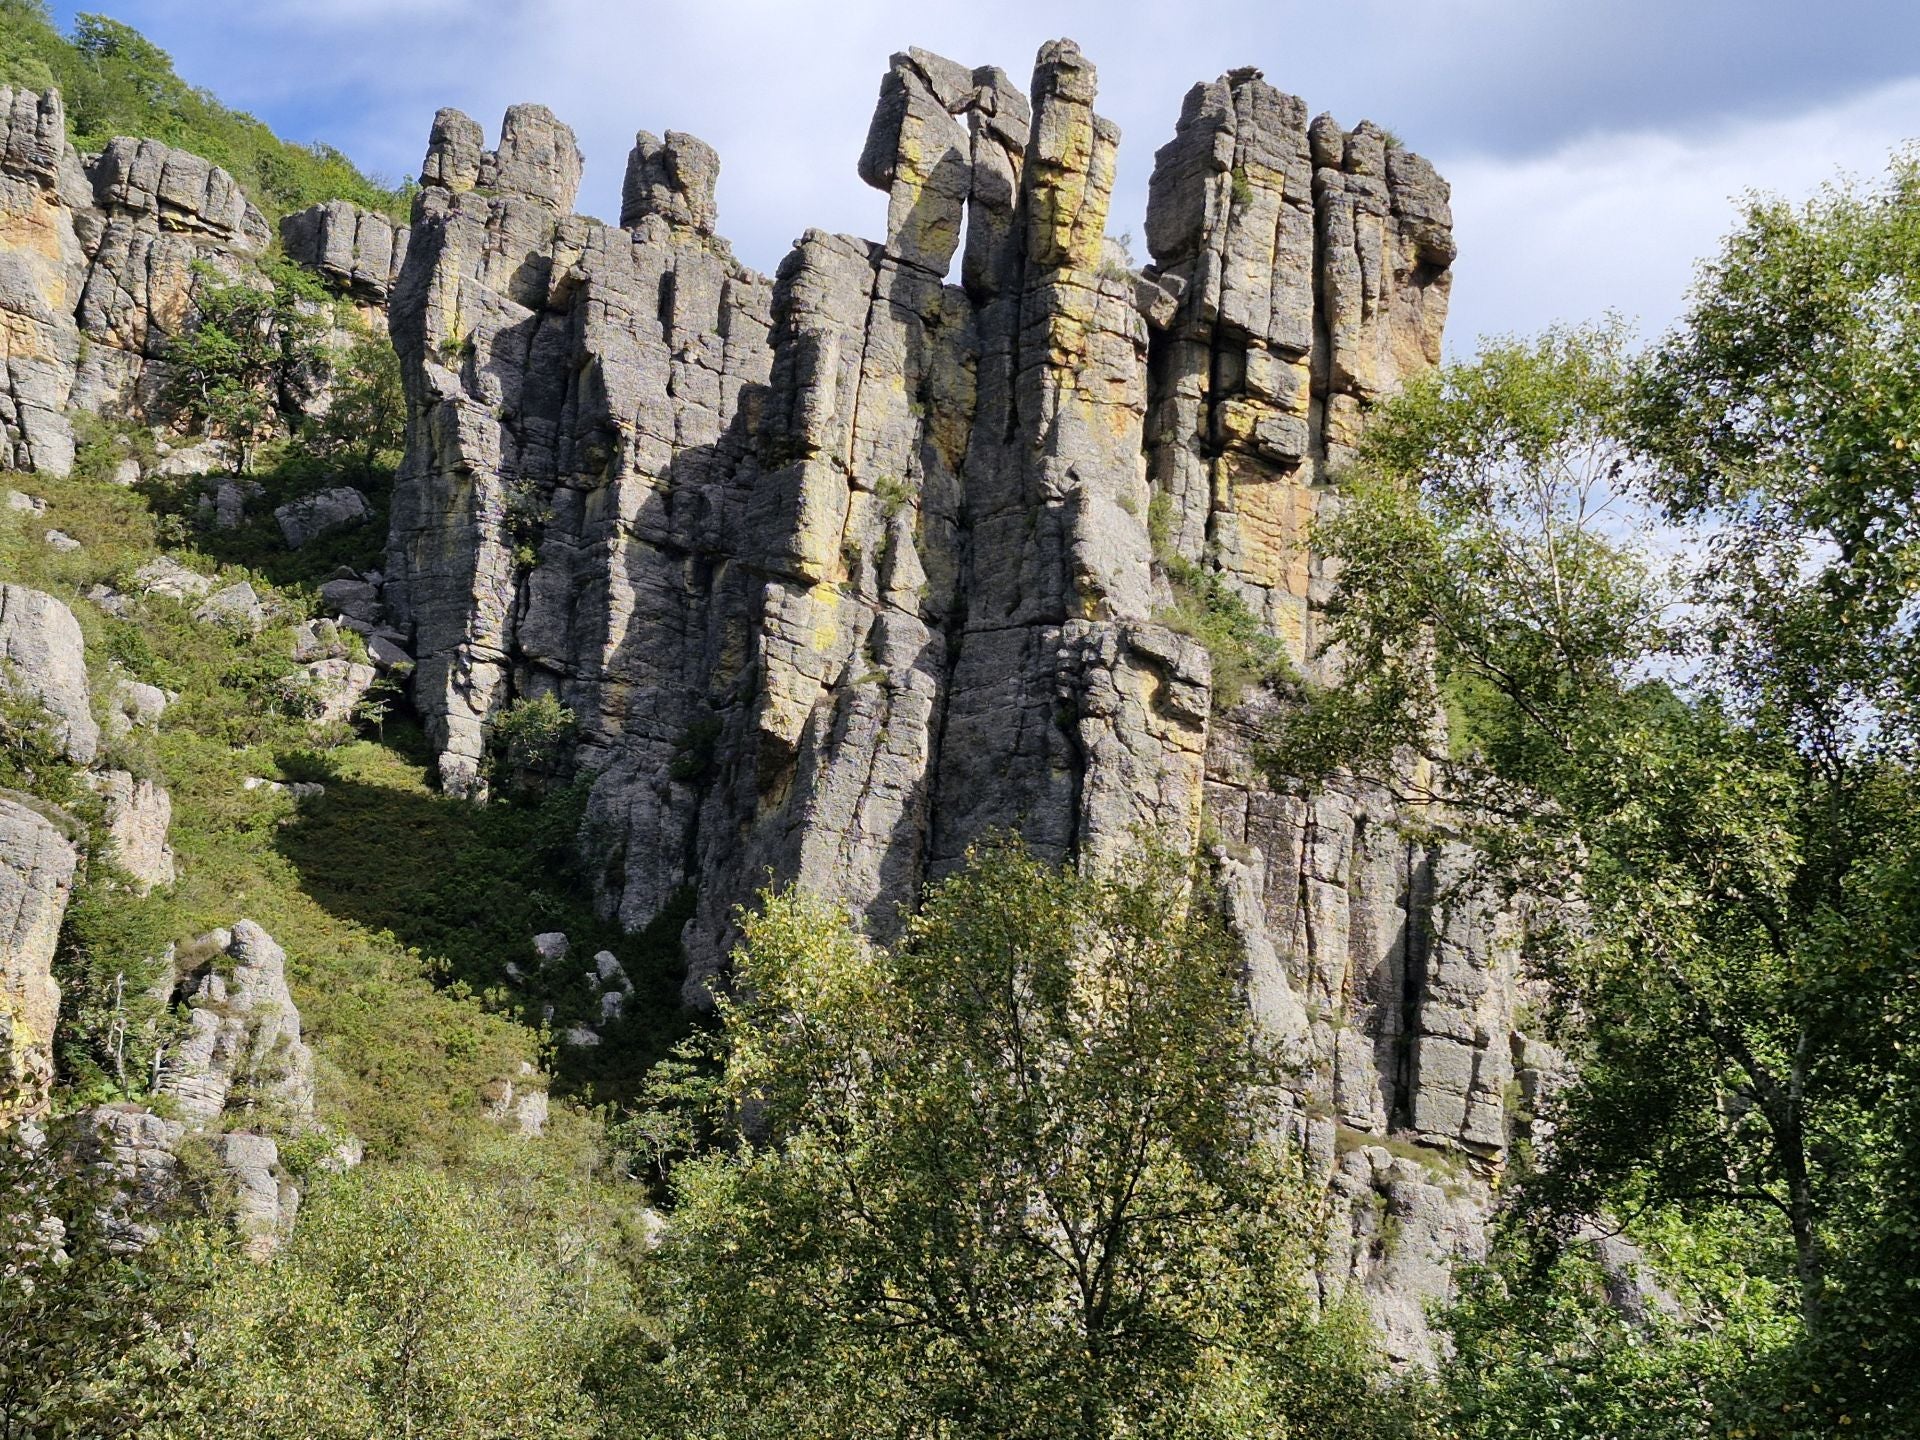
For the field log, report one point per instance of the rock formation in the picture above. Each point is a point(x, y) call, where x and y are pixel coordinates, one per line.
point(43, 658)
point(97, 259)
point(238, 1076)
point(37, 861)
point(843, 571)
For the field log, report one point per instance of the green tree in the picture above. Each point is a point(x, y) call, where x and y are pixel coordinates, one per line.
point(70, 1304)
point(366, 419)
point(253, 353)
point(530, 735)
point(1709, 761)
point(1016, 1175)
point(409, 1302)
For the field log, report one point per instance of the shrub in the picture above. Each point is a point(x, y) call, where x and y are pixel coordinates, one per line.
point(531, 734)
point(1245, 654)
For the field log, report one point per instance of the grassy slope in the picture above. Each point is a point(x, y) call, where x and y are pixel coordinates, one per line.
point(115, 82)
point(399, 908)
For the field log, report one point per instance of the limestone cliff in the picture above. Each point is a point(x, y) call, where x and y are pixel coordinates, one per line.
point(842, 570)
point(97, 257)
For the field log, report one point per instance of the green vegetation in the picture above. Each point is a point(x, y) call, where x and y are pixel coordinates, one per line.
point(1711, 760)
point(400, 968)
point(1015, 1175)
point(411, 1301)
point(254, 352)
point(366, 421)
point(116, 82)
point(1206, 607)
point(530, 736)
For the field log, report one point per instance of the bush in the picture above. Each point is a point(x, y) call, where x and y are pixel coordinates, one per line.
point(1244, 652)
point(366, 419)
point(531, 735)
point(408, 1302)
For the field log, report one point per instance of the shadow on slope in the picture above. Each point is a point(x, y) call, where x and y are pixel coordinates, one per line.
point(468, 886)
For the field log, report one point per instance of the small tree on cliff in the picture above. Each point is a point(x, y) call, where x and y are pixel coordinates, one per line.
point(366, 420)
point(1015, 1176)
point(253, 352)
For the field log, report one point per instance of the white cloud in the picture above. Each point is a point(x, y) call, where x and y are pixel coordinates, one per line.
point(1619, 222)
point(1549, 230)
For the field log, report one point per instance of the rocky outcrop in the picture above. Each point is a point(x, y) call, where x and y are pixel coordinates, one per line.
point(238, 1076)
point(1299, 273)
point(97, 258)
point(842, 571)
point(241, 1052)
point(138, 814)
point(323, 513)
point(43, 658)
point(356, 251)
point(37, 862)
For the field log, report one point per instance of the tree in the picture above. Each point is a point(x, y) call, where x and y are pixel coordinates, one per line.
point(408, 1302)
point(1017, 1175)
point(253, 353)
point(366, 418)
point(1708, 757)
point(530, 737)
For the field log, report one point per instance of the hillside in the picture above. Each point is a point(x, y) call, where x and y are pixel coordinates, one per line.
point(117, 82)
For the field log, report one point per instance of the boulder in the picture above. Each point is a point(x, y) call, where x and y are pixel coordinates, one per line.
point(236, 606)
point(519, 1105)
point(43, 655)
point(37, 861)
point(325, 512)
point(133, 704)
point(336, 686)
point(352, 599)
point(230, 499)
point(166, 576)
point(138, 815)
point(242, 1026)
point(387, 654)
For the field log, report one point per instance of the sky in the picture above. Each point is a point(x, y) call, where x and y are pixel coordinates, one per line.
point(1597, 149)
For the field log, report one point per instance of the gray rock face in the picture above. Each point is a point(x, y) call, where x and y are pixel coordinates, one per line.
point(138, 1151)
point(355, 250)
point(97, 274)
point(166, 576)
point(237, 606)
point(336, 686)
point(133, 704)
point(37, 861)
point(100, 251)
point(242, 1053)
point(842, 571)
point(239, 1075)
point(671, 178)
point(1305, 272)
point(43, 656)
point(325, 512)
point(138, 815)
